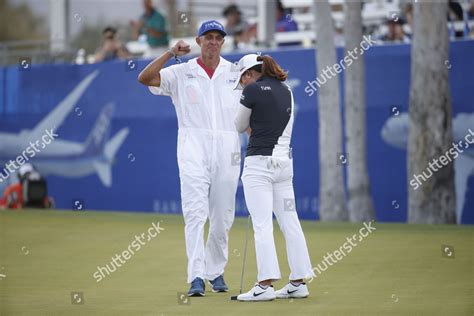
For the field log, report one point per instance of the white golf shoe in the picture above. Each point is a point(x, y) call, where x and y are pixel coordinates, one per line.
point(292, 291)
point(258, 293)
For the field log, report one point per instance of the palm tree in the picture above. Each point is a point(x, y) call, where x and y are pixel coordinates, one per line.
point(332, 200)
point(430, 128)
point(360, 202)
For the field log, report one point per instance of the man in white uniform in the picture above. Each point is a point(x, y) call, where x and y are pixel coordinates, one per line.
point(208, 148)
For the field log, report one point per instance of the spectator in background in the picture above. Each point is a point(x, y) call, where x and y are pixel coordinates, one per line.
point(12, 197)
point(235, 26)
point(285, 22)
point(235, 23)
point(455, 13)
point(153, 25)
point(111, 47)
point(395, 32)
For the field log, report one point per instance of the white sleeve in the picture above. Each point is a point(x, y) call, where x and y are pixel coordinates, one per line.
point(242, 120)
point(168, 82)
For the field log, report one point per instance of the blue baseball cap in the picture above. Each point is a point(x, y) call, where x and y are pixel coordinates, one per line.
point(211, 25)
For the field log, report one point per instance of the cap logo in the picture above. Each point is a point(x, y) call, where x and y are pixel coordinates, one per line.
point(211, 24)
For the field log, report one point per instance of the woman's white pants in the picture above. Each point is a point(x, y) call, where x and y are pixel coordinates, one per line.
point(268, 188)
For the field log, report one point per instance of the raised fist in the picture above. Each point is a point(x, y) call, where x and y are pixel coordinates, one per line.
point(181, 48)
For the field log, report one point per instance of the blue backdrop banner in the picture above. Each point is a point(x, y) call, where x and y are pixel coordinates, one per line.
point(116, 143)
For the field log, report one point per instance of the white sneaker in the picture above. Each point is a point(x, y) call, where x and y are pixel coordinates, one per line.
point(291, 291)
point(257, 293)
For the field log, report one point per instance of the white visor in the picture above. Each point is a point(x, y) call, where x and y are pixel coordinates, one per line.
point(245, 63)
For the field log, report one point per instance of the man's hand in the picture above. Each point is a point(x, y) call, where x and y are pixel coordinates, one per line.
point(150, 76)
point(181, 48)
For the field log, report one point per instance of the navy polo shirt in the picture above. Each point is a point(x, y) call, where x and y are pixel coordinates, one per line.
point(271, 121)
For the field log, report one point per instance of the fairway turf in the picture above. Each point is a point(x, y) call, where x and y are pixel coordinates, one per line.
point(397, 270)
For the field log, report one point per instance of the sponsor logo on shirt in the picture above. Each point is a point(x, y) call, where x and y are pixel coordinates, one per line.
point(242, 97)
point(190, 76)
point(265, 88)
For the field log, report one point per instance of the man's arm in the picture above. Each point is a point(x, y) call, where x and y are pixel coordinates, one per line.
point(136, 26)
point(150, 76)
point(154, 33)
point(122, 51)
point(106, 47)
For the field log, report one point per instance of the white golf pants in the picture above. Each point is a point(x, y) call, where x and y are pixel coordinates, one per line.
point(268, 186)
point(209, 167)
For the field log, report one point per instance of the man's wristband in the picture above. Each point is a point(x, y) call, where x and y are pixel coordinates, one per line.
point(176, 58)
point(171, 52)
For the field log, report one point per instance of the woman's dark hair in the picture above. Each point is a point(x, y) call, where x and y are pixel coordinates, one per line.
point(270, 68)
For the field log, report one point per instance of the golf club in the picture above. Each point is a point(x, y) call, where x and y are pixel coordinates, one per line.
point(234, 298)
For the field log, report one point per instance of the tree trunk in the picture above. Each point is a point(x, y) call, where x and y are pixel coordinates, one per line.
point(360, 201)
point(332, 200)
point(430, 127)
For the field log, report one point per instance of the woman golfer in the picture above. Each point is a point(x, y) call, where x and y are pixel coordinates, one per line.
point(267, 109)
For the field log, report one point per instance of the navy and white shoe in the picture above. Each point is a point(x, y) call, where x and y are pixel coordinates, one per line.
point(197, 287)
point(218, 284)
point(258, 293)
point(293, 291)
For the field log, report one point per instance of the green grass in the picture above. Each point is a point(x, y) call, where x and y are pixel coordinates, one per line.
point(397, 270)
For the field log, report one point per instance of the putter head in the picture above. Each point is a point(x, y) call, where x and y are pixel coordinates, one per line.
point(233, 298)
